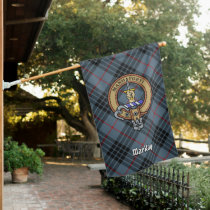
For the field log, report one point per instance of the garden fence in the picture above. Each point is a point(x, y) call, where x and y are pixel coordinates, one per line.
point(163, 183)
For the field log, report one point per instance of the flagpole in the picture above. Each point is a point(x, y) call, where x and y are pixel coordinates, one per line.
point(51, 73)
point(9, 84)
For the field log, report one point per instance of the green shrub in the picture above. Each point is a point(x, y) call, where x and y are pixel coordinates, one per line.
point(139, 198)
point(199, 183)
point(16, 156)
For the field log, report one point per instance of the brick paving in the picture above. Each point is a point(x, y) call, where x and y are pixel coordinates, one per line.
point(62, 186)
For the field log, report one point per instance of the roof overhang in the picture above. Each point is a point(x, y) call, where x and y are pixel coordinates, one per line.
point(23, 21)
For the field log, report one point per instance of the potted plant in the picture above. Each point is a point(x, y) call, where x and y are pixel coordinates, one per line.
point(19, 159)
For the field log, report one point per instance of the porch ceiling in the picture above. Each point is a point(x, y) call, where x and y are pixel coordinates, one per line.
point(23, 21)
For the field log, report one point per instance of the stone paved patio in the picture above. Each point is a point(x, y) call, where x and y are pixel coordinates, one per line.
point(64, 185)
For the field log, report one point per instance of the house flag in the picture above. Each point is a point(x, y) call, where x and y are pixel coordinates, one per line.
point(128, 101)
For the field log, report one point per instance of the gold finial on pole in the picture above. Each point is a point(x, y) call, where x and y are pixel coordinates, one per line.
point(162, 44)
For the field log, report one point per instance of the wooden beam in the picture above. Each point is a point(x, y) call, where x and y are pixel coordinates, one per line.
point(194, 141)
point(192, 152)
point(188, 160)
point(1, 102)
point(24, 21)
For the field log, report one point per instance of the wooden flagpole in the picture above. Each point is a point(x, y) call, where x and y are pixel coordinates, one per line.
point(8, 85)
point(51, 73)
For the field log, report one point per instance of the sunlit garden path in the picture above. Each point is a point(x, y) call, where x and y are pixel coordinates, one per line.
point(63, 186)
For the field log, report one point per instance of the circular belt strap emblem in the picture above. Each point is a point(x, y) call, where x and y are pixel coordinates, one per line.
point(130, 98)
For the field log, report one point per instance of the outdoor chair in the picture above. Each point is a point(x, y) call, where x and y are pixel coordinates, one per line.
point(68, 148)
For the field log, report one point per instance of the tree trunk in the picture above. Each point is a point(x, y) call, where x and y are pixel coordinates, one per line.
point(92, 134)
point(83, 124)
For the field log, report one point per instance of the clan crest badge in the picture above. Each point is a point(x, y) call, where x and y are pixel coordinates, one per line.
point(130, 98)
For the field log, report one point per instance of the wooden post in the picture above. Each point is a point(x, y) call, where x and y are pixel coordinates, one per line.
point(1, 101)
point(188, 189)
point(209, 142)
point(180, 142)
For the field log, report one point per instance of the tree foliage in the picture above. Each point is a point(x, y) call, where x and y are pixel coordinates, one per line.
point(78, 30)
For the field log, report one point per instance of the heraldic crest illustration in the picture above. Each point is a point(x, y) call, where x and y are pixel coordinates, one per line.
point(130, 98)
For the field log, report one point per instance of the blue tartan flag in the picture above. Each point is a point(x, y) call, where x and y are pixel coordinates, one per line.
point(128, 101)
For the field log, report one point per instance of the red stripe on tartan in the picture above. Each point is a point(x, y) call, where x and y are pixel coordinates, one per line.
point(102, 75)
point(144, 64)
point(161, 117)
point(136, 141)
point(118, 130)
point(109, 132)
point(154, 154)
point(150, 129)
point(153, 118)
point(157, 155)
point(130, 165)
point(169, 151)
point(150, 60)
point(136, 87)
point(95, 75)
point(126, 136)
point(113, 169)
point(98, 77)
